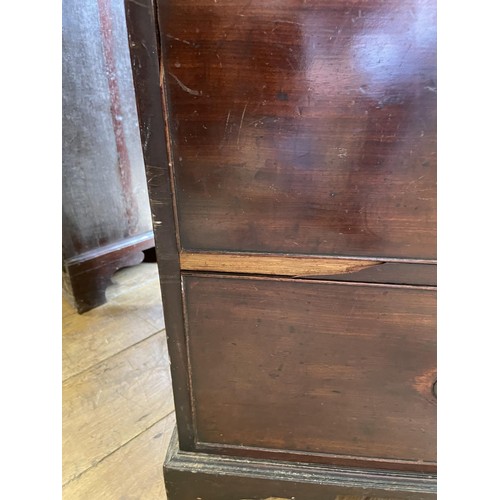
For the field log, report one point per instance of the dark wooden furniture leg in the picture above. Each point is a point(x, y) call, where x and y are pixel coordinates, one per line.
point(89, 274)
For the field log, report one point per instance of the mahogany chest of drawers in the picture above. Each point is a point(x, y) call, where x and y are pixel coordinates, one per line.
point(290, 149)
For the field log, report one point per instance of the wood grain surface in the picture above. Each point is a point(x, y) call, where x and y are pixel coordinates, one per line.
point(134, 471)
point(362, 270)
point(116, 450)
point(302, 129)
point(133, 314)
point(307, 128)
point(112, 402)
point(336, 371)
point(285, 265)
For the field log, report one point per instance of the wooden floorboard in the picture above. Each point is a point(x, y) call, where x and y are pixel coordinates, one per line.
point(132, 314)
point(134, 471)
point(148, 308)
point(117, 397)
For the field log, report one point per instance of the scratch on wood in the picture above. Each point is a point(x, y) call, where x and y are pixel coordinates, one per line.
point(303, 25)
point(185, 87)
point(273, 498)
point(178, 39)
point(162, 74)
point(225, 129)
point(156, 223)
point(148, 133)
point(245, 7)
point(241, 123)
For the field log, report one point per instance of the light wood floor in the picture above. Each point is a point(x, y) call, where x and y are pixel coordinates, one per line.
point(117, 400)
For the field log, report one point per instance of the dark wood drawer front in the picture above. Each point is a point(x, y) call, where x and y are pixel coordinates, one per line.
point(323, 368)
point(303, 128)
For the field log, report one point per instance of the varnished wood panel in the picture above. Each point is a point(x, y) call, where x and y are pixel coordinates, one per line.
point(113, 402)
point(303, 127)
point(393, 273)
point(319, 368)
point(132, 472)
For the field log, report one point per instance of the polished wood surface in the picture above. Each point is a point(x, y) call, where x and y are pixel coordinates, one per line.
point(393, 273)
point(305, 127)
point(321, 368)
point(282, 130)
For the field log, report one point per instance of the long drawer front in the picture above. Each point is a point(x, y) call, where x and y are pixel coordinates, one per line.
point(304, 127)
point(313, 370)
